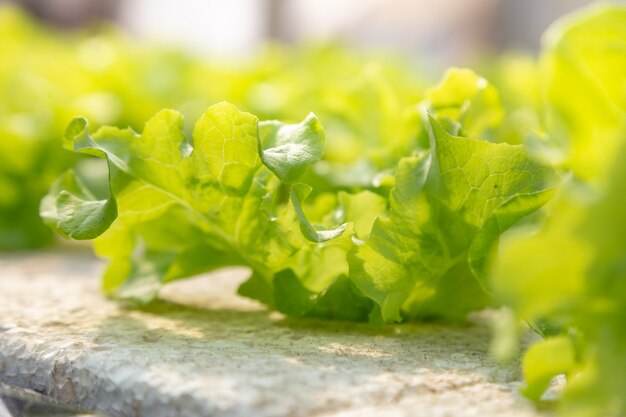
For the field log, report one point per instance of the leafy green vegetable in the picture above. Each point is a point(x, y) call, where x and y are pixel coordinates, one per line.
point(188, 206)
point(233, 195)
point(567, 279)
point(583, 70)
point(393, 211)
point(572, 273)
point(287, 150)
point(447, 211)
point(467, 102)
point(47, 77)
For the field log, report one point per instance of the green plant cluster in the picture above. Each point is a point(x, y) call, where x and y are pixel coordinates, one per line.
point(47, 77)
point(393, 201)
point(567, 277)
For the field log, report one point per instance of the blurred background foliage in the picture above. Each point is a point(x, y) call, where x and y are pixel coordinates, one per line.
point(360, 66)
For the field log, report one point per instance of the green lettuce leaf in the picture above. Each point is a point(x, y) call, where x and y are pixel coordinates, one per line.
point(465, 103)
point(287, 150)
point(175, 198)
point(582, 71)
point(233, 195)
point(567, 278)
point(178, 207)
point(116, 81)
point(572, 273)
point(448, 209)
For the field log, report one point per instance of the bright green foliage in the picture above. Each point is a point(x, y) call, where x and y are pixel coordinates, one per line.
point(543, 361)
point(583, 69)
point(162, 174)
point(395, 210)
point(568, 278)
point(234, 195)
point(467, 102)
point(287, 150)
point(383, 214)
point(447, 211)
point(178, 207)
point(572, 273)
point(78, 213)
point(28, 122)
point(48, 77)
point(516, 77)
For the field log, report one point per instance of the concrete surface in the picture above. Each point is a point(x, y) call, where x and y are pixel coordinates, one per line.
point(203, 351)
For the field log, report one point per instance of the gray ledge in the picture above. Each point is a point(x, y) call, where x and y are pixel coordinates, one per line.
point(203, 351)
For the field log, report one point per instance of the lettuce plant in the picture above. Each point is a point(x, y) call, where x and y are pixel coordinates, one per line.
point(235, 193)
point(568, 277)
point(114, 81)
point(396, 211)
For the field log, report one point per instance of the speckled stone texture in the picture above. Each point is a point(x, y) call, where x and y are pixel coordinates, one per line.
point(203, 351)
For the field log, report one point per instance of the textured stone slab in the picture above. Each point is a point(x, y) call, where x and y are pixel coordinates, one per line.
point(202, 351)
